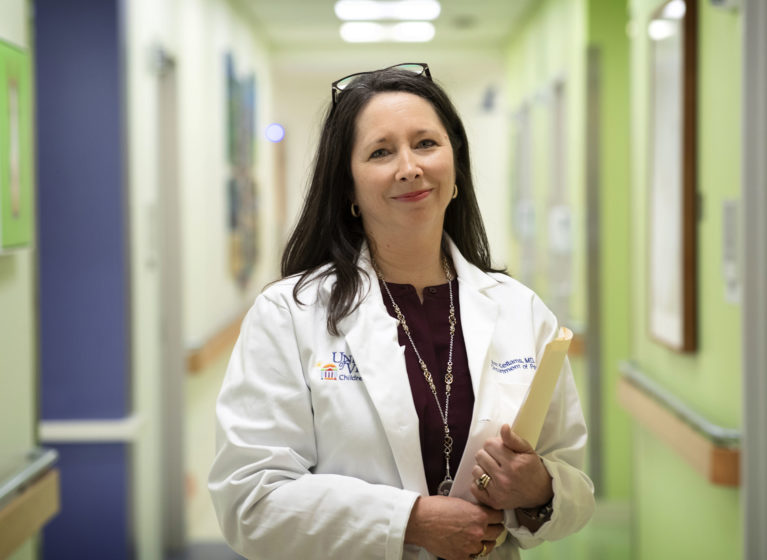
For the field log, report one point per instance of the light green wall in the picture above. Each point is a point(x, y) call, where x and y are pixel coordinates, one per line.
point(677, 513)
point(18, 337)
point(675, 506)
point(552, 44)
point(18, 409)
point(17, 352)
point(606, 32)
point(544, 49)
point(17, 317)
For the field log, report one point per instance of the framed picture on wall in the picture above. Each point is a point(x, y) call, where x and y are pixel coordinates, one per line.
point(672, 189)
point(242, 193)
point(16, 209)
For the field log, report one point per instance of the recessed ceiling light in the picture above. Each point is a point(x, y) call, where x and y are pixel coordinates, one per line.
point(675, 9)
point(412, 32)
point(660, 29)
point(370, 32)
point(362, 32)
point(372, 10)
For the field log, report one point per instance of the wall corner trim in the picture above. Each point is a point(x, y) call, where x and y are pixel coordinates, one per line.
point(754, 307)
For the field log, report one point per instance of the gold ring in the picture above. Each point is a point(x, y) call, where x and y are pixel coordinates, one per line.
point(482, 553)
point(483, 481)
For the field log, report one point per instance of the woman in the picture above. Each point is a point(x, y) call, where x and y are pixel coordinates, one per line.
point(373, 374)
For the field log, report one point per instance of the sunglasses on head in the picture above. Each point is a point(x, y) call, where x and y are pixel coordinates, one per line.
point(417, 68)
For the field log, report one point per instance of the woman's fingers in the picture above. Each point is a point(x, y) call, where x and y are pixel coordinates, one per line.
point(491, 459)
point(517, 476)
point(491, 536)
point(494, 531)
point(494, 516)
point(513, 442)
point(452, 528)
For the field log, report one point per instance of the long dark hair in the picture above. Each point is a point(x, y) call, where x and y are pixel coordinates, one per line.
point(328, 234)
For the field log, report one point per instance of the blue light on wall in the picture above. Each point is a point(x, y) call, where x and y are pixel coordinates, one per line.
point(275, 132)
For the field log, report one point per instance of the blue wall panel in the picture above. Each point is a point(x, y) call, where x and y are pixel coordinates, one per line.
point(83, 275)
point(93, 520)
point(82, 244)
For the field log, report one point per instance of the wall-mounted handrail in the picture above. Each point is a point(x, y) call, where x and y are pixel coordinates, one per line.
point(200, 356)
point(29, 496)
point(712, 450)
point(17, 472)
point(719, 435)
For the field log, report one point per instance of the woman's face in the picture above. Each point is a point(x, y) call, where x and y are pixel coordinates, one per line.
point(402, 166)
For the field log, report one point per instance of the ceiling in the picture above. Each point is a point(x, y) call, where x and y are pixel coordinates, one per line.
point(301, 24)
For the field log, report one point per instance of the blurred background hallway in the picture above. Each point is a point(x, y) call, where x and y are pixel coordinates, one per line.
point(153, 158)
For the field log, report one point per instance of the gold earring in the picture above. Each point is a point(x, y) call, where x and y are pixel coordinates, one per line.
point(455, 191)
point(355, 210)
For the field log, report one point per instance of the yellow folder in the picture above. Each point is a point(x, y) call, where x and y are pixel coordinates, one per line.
point(531, 414)
point(529, 420)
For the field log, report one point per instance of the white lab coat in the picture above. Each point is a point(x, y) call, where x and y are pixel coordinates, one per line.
point(318, 445)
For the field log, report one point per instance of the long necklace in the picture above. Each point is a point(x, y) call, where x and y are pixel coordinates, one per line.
point(447, 482)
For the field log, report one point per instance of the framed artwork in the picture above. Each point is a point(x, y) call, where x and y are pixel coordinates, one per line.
point(241, 185)
point(16, 211)
point(672, 190)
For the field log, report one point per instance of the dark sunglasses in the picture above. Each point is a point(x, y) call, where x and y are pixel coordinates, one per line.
point(417, 68)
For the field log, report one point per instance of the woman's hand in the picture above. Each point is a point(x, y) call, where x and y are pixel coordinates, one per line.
point(517, 475)
point(452, 528)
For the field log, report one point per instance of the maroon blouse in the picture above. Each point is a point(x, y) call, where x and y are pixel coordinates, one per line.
point(430, 329)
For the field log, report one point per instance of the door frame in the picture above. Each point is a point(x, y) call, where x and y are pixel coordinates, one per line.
point(171, 313)
point(754, 308)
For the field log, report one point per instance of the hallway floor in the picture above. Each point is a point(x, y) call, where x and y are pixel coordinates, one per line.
point(201, 391)
point(606, 537)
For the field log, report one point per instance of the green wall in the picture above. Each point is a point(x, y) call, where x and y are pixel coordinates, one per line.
point(18, 334)
point(552, 44)
point(546, 48)
point(672, 504)
point(17, 352)
point(677, 513)
point(18, 411)
point(606, 24)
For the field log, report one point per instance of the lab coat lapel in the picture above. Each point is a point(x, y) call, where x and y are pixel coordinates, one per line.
point(371, 334)
point(479, 317)
point(479, 314)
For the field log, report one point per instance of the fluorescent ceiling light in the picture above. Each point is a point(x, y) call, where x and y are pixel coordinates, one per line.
point(362, 32)
point(675, 9)
point(372, 10)
point(370, 32)
point(413, 32)
point(660, 29)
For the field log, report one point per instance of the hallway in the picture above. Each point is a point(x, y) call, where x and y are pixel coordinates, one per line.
point(155, 155)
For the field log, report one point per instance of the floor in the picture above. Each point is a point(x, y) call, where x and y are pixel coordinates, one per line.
point(606, 537)
point(201, 391)
point(206, 551)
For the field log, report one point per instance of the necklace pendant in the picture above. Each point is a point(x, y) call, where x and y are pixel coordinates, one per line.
point(444, 487)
